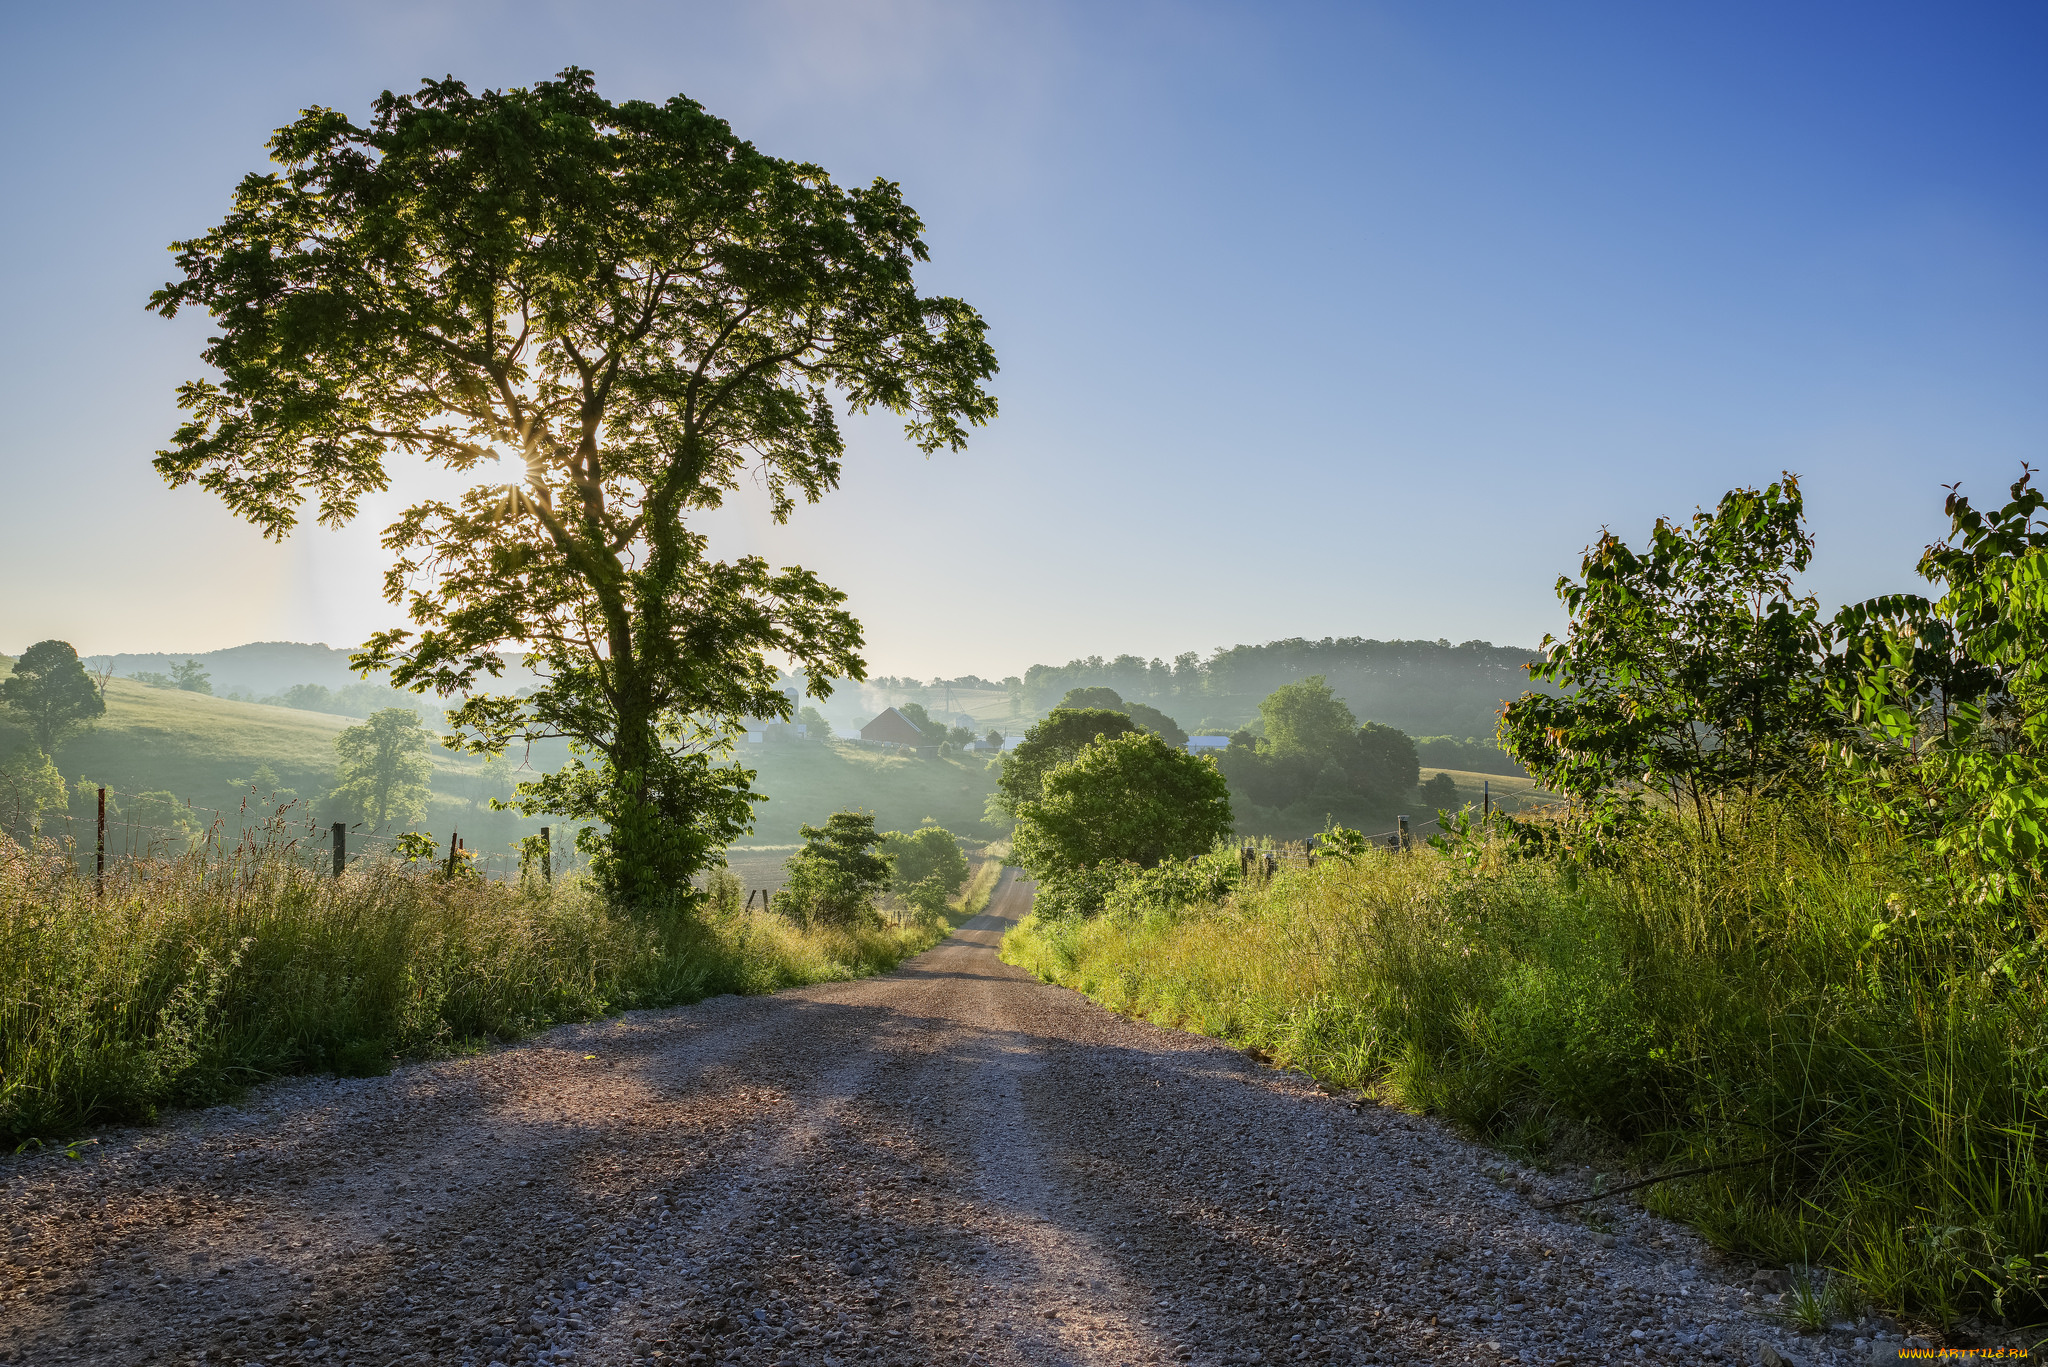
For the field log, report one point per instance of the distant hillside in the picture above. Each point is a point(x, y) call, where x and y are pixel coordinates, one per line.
point(805, 782)
point(204, 749)
point(266, 667)
point(1426, 688)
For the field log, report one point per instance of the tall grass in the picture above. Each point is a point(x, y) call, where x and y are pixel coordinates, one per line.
point(1805, 1001)
point(187, 979)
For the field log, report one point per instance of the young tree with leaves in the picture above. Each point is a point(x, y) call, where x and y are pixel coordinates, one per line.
point(1947, 698)
point(1690, 669)
point(835, 878)
point(930, 851)
point(191, 676)
point(630, 307)
point(384, 771)
point(1129, 798)
point(51, 693)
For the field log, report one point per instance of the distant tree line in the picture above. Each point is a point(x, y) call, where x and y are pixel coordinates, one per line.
point(1429, 688)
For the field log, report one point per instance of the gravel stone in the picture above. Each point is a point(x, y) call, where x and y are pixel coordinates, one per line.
point(951, 1163)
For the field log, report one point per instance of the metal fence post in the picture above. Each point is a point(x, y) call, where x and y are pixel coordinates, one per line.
point(547, 858)
point(99, 862)
point(340, 847)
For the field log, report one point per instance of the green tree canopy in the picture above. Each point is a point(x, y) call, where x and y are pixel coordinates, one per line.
point(1317, 760)
point(835, 877)
point(607, 315)
point(1093, 697)
point(191, 676)
point(1128, 798)
point(51, 693)
point(930, 851)
point(1438, 793)
point(1306, 719)
point(1691, 668)
point(1158, 723)
point(1147, 717)
point(1053, 741)
point(29, 786)
point(384, 771)
point(161, 823)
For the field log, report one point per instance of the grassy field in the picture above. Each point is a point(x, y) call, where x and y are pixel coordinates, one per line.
point(1802, 1005)
point(1510, 793)
point(204, 749)
point(195, 977)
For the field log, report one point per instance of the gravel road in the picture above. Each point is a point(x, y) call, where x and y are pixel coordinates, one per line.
point(949, 1164)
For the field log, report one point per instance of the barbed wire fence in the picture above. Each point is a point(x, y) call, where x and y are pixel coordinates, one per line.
point(110, 836)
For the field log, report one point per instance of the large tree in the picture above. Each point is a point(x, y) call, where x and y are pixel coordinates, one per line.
point(608, 314)
point(1063, 734)
point(1129, 798)
point(382, 769)
point(51, 692)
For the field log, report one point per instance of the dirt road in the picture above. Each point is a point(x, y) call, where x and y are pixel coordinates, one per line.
point(949, 1164)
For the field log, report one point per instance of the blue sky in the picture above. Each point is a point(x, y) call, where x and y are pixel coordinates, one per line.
point(1345, 320)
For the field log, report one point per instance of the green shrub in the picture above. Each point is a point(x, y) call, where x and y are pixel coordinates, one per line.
point(1803, 998)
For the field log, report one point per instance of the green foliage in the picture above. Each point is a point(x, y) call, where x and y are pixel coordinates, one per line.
point(1157, 722)
point(1052, 742)
point(820, 729)
point(382, 770)
point(929, 899)
point(1795, 995)
point(1147, 718)
point(416, 847)
point(834, 879)
point(164, 822)
point(1438, 793)
point(29, 786)
point(1127, 798)
point(192, 978)
point(1471, 755)
point(1305, 720)
point(1315, 760)
point(50, 692)
point(1692, 669)
point(191, 677)
point(1421, 687)
point(264, 785)
point(354, 700)
point(631, 308)
point(1950, 697)
point(928, 852)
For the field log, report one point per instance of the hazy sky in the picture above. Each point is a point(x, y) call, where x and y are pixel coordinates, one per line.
point(1346, 320)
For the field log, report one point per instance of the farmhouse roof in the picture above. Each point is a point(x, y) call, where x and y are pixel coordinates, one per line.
point(894, 728)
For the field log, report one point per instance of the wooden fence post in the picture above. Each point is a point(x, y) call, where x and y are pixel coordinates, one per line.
point(99, 864)
point(340, 846)
point(454, 844)
point(547, 858)
point(1487, 812)
point(1401, 828)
